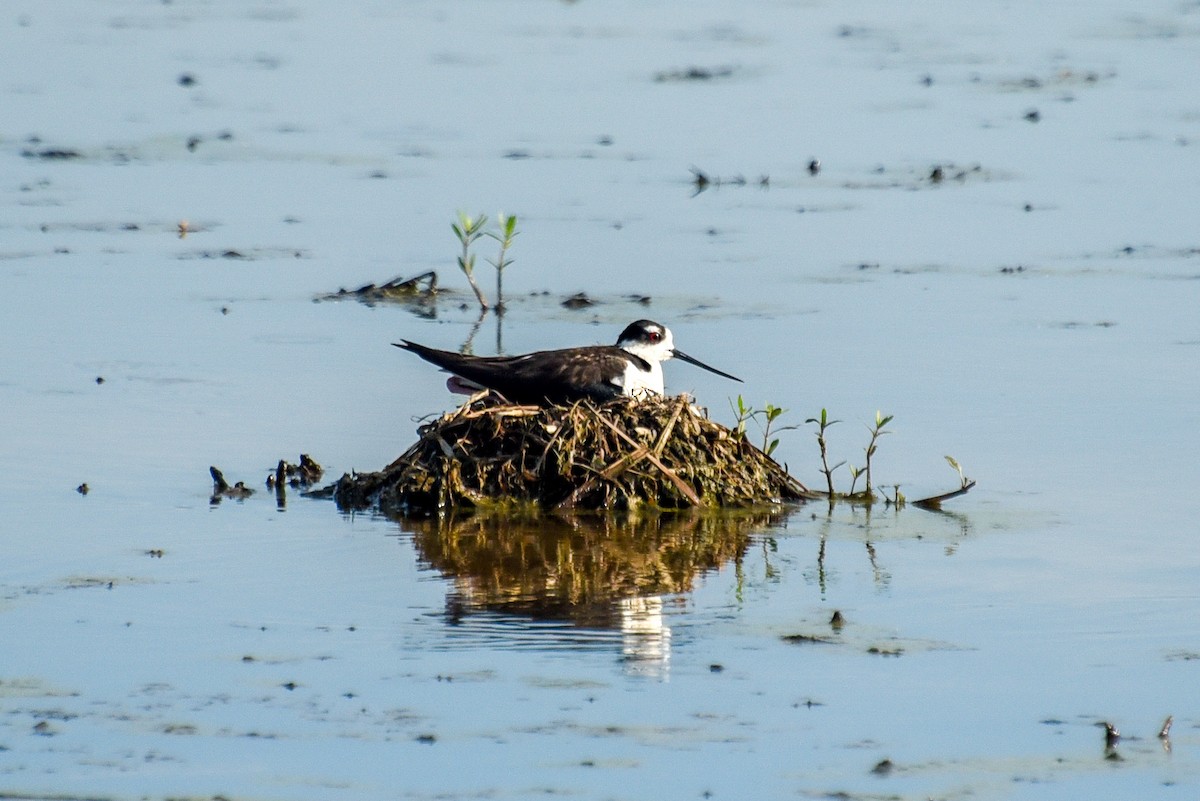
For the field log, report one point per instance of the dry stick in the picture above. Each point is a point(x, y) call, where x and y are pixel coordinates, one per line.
point(668, 428)
point(679, 483)
point(610, 473)
point(511, 411)
point(537, 467)
point(936, 501)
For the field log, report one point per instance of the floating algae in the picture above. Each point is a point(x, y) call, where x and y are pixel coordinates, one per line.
point(662, 453)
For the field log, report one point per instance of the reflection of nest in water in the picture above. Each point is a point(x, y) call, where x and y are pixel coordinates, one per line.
point(576, 568)
point(624, 454)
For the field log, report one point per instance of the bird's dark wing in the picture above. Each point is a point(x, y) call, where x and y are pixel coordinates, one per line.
point(555, 376)
point(570, 374)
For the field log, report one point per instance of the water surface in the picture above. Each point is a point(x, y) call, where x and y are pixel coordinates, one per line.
point(1031, 313)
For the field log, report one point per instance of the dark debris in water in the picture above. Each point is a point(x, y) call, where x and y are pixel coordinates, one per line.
point(53, 154)
point(421, 294)
point(422, 288)
point(223, 489)
point(233, 254)
point(297, 476)
point(305, 474)
point(625, 454)
point(702, 180)
point(690, 74)
point(579, 300)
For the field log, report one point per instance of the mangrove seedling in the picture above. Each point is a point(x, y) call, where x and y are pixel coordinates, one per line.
point(855, 472)
point(770, 414)
point(823, 422)
point(468, 230)
point(508, 230)
point(743, 413)
point(876, 433)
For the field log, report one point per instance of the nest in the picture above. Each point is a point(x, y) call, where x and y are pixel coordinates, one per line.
point(662, 453)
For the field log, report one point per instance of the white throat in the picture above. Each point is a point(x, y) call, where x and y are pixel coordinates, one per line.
point(637, 382)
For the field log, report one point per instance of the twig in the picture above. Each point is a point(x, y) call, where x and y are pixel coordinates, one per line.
point(674, 478)
point(669, 427)
point(1165, 732)
point(935, 502)
point(609, 474)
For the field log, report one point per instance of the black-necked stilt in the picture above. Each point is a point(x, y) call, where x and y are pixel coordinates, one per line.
point(631, 368)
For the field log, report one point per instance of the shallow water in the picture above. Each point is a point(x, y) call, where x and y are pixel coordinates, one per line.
point(1032, 314)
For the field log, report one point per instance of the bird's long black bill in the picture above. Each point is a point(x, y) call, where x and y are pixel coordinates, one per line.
point(681, 355)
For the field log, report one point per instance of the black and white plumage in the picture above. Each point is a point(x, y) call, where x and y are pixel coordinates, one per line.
point(631, 368)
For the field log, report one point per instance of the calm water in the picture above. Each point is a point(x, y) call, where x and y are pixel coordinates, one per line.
point(1033, 313)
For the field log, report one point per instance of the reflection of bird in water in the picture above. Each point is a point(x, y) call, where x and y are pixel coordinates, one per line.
point(596, 573)
point(631, 368)
point(646, 638)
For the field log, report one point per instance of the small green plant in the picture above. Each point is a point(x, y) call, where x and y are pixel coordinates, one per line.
point(769, 415)
point(876, 433)
point(744, 413)
point(868, 494)
point(508, 230)
point(469, 229)
point(823, 422)
point(855, 472)
point(764, 417)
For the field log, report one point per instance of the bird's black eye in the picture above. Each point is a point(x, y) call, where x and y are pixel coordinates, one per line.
point(653, 336)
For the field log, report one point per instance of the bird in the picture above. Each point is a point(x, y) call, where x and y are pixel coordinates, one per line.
point(631, 368)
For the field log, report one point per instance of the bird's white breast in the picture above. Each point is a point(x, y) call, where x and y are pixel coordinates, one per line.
point(638, 383)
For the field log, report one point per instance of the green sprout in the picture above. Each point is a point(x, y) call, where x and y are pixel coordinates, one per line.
point(823, 422)
point(770, 414)
point(768, 417)
point(468, 230)
point(876, 433)
point(508, 230)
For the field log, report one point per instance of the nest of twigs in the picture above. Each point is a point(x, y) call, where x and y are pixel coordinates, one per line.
point(662, 453)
